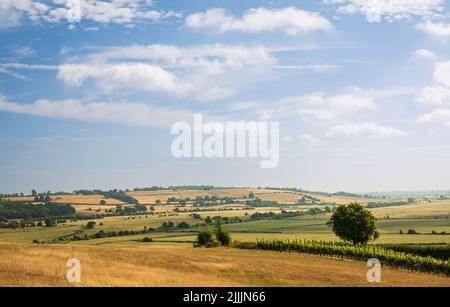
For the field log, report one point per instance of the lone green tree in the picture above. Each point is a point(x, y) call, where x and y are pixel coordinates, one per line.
point(222, 236)
point(353, 223)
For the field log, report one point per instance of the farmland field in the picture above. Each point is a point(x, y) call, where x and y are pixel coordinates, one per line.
point(429, 220)
point(159, 264)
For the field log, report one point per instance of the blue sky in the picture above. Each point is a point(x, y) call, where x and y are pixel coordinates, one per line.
point(361, 89)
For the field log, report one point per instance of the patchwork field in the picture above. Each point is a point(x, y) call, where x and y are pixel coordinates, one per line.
point(155, 262)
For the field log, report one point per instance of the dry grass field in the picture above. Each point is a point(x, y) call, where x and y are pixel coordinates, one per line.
point(415, 210)
point(170, 260)
point(161, 264)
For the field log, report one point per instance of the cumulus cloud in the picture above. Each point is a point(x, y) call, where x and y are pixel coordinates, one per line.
point(370, 130)
point(434, 95)
point(133, 114)
point(442, 73)
point(390, 10)
point(438, 116)
point(290, 20)
point(437, 95)
point(438, 30)
point(203, 73)
point(103, 12)
point(138, 76)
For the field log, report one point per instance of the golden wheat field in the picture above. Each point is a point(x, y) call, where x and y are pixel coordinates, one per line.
point(182, 265)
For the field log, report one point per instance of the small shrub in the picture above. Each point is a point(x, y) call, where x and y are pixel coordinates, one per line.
point(204, 237)
point(90, 225)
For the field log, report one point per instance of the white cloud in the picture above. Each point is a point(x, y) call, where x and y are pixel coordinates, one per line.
point(370, 130)
point(325, 107)
point(425, 53)
point(308, 139)
point(438, 116)
point(13, 74)
point(203, 73)
point(434, 95)
point(139, 76)
point(442, 73)
point(212, 59)
point(316, 67)
point(104, 12)
point(11, 11)
point(290, 20)
point(390, 10)
point(7, 67)
point(439, 30)
point(134, 114)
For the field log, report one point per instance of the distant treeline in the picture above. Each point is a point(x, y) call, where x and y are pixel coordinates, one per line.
point(115, 194)
point(298, 190)
point(261, 203)
point(373, 205)
point(184, 187)
point(286, 214)
point(22, 210)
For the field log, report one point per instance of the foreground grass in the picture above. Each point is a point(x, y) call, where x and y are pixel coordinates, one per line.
point(166, 264)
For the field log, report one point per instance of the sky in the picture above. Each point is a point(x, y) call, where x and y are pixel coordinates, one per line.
point(89, 91)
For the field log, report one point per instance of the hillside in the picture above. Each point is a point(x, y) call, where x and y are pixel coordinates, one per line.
point(150, 264)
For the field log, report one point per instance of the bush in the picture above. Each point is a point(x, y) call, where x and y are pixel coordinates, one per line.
point(412, 232)
point(49, 222)
point(147, 239)
point(204, 237)
point(90, 225)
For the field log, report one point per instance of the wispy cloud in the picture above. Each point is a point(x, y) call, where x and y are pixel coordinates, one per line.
point(127, 113)
point(370, 130)
point(202, 73)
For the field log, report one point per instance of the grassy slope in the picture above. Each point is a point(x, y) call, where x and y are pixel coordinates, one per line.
point(158, 264)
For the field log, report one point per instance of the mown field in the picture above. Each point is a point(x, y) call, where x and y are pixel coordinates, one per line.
point(428, 218)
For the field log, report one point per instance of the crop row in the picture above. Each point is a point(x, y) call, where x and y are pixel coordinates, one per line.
point(359, 252)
